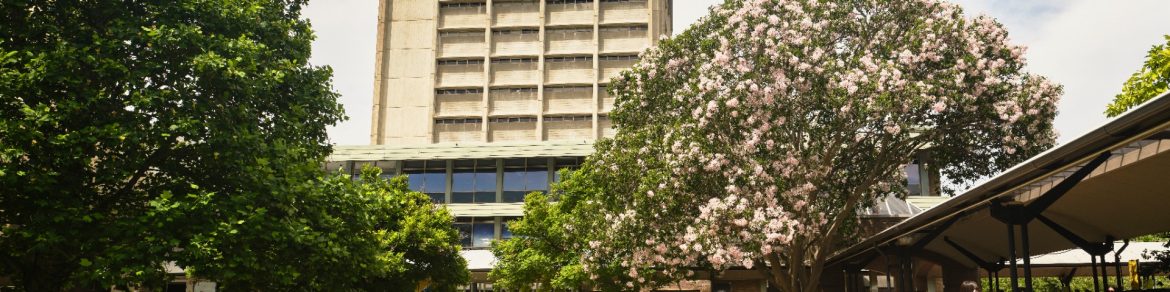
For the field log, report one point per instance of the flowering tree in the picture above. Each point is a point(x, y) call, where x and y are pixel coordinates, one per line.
point(754, 138)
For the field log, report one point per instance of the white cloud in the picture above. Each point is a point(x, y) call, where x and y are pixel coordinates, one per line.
point(1089, 46)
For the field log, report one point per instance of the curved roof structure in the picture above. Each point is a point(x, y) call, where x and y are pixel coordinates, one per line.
point(1111, 183)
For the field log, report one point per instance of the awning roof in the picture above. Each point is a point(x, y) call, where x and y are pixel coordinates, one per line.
point(1124, 197)
point(478, 260)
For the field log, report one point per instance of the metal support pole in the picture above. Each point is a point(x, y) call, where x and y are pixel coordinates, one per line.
point(903, 272)
point(1093, 266)
point(909, 272)
point(849, 281)
point(889, 270)
point(1012, 254)
point(990, 279)
point(1104, 273)
point(1027, 253)
point(1117, 265)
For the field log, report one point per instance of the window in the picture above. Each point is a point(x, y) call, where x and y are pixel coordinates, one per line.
point(619, 58)
point(505, 232)
point(523, 176)
point(428, 177)
point(570, 163)
point(458, 91)
point(568, 119)
point(464, 226)
point(460, 62)
point(483, 232)
point(568, 59)
point(527, 31)
point(478, 232)
point(474, 181)
point(513, 120)
point(913, 180)
point(462, 5)
point(513, 60)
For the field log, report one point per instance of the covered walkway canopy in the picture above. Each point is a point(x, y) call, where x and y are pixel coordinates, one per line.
point(1110, 184)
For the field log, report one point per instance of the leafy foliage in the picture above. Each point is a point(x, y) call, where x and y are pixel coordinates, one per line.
point(539, 254)
point(146, 132)
point(755, 138)
point(1148, 82)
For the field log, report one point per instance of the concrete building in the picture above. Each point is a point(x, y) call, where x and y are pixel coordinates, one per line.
point(460, 72)
point(479, 102)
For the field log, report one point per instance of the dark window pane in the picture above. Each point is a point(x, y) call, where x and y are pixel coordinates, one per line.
point(505, 233)
point(514, 163)
point(464, 234)
point(913, 181)
point(462, 197)
point(483, 234)
point(514, 196)
point(413, 164)
point(485, 197)
point(567, 162)
point(464, 163)
point(537, 163)
point(437, 198)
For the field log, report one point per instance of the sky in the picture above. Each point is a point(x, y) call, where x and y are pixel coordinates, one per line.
point(1089, 46)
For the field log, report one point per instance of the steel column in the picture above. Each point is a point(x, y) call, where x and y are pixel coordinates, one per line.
point(1027, 256)
point(1104, 273)
point(1117, 265)
point(1093, 265)
point(1015, 280)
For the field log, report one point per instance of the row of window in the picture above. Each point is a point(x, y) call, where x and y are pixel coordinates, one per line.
point(458, 62)
point(573, 118)
point(480, 5)
point(484, 180)
point(524, 31)
point(479, 232)
point(533, 60)
point(517, 92)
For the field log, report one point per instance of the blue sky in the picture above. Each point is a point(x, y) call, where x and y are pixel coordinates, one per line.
point(1089, 46)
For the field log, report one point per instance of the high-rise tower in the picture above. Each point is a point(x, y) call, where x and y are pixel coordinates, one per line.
point(480, 102)
point(504, 70)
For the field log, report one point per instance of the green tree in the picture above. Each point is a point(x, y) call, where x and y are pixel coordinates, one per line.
point(754, 138)
point(1152, 80)
point(140, 133)
point(542, 254)
point(377, 235)
point(1148, 82)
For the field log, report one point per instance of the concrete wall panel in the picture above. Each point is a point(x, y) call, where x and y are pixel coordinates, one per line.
point(415, 63)
point(409, 92)
point(412, 34)
point(404, 10)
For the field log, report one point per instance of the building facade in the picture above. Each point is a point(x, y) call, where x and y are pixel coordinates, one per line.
point(492, 71)
point(479, 102)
